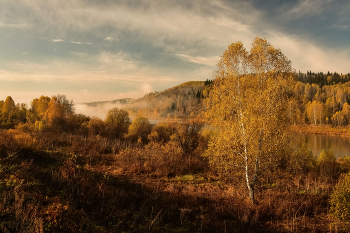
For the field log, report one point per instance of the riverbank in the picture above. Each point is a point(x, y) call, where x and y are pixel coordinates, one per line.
point(341, 131)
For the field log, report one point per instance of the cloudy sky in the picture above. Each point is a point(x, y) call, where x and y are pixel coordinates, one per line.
point(108, 49)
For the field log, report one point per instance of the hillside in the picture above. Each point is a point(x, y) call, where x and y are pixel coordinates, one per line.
point(117, 101)
point(177, 101)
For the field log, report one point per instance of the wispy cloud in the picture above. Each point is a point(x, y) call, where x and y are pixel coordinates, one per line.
point(341, 27)
point(109, 38)
point(209, 61)
point(20, 25)
point(78, 42)
point(104, 67)
point(308, 8)
point(56, 40)
point(307, 56)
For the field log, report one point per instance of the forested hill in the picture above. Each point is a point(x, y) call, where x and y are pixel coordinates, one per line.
point(177, 101)
point(318, 98)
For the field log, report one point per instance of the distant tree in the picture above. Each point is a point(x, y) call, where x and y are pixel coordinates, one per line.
point(9, 113)
point(161, 133)
point(346, 112)
point(117, 122)
point(327, 164)
point(139, 129)
point(38, 109)
point(187, 134)
point(68, 106)
point(1, 105)
point(315, 112)
point(77, 123)
point(198, 95)
point(21, 112)
point(301, 161)
point(96, 127)
point(338, 118)
point(9, 106)
point(57, 112)
point(54, 115)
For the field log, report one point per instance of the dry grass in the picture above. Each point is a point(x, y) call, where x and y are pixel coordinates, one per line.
point(342, 131)
point(69, 183)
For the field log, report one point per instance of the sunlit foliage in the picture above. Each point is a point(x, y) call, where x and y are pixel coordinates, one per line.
point(117, 122)
point(139, 129)
point(340, 198)
point(248, 103)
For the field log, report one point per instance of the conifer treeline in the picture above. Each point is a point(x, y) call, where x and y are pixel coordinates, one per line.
point(323, 79)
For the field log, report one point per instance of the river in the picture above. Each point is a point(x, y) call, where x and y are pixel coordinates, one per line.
point(317, 142)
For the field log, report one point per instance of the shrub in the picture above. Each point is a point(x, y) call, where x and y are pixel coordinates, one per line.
point(344, 163)
point(140, 128)
point(327, 164)
point(340, 198)
point(187, 134)
point(161, 133)
point(301, 161)
point(96, 127)
point(117, 123)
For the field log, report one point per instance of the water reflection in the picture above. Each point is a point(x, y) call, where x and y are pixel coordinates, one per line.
point(317, 142)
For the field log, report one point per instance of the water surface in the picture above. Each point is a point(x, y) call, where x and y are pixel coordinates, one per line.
point(318, 142)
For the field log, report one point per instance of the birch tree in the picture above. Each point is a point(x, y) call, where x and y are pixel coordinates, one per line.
point(315, 111)
point(248, 104)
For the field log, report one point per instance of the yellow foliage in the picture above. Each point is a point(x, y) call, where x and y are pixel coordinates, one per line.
point(96, 126)
point(315, 112)
point(140, 128)
point(248, 103)
point(344, 163)
point(301, 161)
point(187, 134)
point(8, 106)
point(117, 122)
point(54, 114)
point(327, 164)
point(340, 198)
point(161, 133)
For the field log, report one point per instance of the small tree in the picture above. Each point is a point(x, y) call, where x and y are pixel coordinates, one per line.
point(140, 128)
point(117, 122)
point(161, 133)
point(248, 103)
point(340, 198)
point(301, 161)
point(38, 109)
point(96, 127)
point(54, 115)
point(327, 164)
point(187, 134)
point(8, 106)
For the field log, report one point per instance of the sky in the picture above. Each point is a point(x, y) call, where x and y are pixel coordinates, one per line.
point(109, 49)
